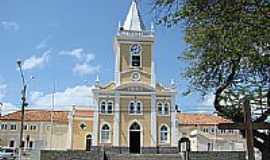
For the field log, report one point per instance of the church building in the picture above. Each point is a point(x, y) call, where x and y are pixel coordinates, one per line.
point(131, 114)
point(134, 112)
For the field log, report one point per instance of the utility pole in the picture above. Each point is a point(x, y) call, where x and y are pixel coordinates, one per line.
point(24, 104)
point(52, 115)
point(1, 105)
point(249, 130)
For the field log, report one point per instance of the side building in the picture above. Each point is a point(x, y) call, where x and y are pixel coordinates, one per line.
point(42, 130)
point(74, 130)
point(201, 131)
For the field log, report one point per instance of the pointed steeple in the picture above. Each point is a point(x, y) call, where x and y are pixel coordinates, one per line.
point(133, 20)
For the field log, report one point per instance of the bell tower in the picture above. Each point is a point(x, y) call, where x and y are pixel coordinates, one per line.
point(134, 50)
point(131, 111)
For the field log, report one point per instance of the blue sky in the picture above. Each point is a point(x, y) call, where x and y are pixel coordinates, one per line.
point(68, 43)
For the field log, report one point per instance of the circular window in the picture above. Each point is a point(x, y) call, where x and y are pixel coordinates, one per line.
point(135, 76)
point(83, 126)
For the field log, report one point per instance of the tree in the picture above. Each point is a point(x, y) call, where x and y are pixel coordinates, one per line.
point(228, 54)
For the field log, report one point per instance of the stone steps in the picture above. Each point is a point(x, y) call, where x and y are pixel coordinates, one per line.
point(145, 157)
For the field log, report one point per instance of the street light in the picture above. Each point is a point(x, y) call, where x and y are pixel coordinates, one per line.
point(24, 104)
point(1, 105)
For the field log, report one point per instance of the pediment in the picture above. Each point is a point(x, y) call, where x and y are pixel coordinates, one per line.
point(135, 87)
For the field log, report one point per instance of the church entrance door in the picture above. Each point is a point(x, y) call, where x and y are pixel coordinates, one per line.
point(135, 138)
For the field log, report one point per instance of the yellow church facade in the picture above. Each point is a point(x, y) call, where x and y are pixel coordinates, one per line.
point(134, 111)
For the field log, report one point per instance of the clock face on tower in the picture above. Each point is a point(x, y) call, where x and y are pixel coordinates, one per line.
point(135, 49)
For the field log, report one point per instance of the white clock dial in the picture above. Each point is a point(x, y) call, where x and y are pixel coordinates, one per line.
point(135, 49)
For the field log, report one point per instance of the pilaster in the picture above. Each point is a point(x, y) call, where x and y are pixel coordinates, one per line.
point(116, 133)
point(174, 130)
point(95, 122)
point(153, 121)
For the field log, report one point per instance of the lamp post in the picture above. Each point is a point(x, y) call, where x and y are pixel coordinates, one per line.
point(1, 105)
point(24, 104)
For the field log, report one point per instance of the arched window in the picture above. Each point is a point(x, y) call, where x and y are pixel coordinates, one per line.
point(105, 134)
point(135, 107)
point(166, 108)
point(131, 107)
point(139, 107)
point(88, 142)
point(135, 127)
point(163, 108)
point(106, 107)
point(184, 144)
point(12, 144)
point(164, 134)
point(103, 107)
point(110, 107)
point(159, 106)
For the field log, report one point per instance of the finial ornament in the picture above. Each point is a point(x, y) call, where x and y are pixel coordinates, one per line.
point(152, 27)
point(97, 81)
point(173, 85)
point(119, 25)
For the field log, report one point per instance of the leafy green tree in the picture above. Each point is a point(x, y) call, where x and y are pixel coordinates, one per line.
point(228, 54)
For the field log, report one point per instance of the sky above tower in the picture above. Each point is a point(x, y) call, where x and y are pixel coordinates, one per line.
point(65, 44)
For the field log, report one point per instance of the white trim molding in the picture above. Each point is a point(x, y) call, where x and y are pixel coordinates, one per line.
point(117, 63)
point(153, 121)
point(96, 123)
point(174, 130)
point(116, 128)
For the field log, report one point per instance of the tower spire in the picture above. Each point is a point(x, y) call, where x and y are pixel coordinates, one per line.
point(133, 20)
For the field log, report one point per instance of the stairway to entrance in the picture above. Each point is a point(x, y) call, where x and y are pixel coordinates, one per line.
point(144, 157)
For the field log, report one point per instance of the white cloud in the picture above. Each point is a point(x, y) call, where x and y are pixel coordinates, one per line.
point(43, 43)
point(3, 88)
point(89, 57)
point(35, 61)
point(80, 95)
point(85, 69)
point(10, 26)
point(79, 54)
point(35, 95)
point(208, 100)
point(205, 105)
point(6, 107)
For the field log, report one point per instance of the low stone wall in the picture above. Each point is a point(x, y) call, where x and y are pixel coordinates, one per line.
point(71, 155)
point(144, 150)
point(224, 155)
point(114, 154)
point(146, 157)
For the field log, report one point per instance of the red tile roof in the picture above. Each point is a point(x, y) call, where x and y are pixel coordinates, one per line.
point(38, 116)
point(84, 113)
point(187, 118)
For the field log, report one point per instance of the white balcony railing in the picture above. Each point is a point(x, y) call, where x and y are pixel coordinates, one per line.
point(135, 33)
